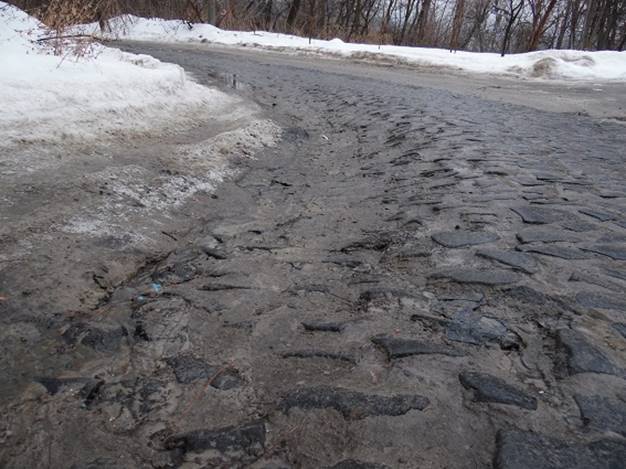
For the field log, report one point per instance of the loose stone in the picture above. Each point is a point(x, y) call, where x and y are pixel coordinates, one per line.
point(523, 450)
point(399, 348)
point(493, 277)
point(517, 260)
point(461, 238)
point(602, 414)
point(353, 405)
point(581, 356)
point(488, 388)
point(248, 438)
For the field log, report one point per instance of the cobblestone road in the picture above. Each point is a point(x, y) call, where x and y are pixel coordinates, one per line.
point(413, 278)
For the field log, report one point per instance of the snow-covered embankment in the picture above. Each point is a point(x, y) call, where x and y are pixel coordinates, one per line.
point(106, 142)
point(548, 64)
point(100, 91)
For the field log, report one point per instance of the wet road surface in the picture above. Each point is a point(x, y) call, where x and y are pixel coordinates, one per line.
point(414, 277)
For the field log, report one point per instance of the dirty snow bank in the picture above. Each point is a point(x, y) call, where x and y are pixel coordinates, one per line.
point(46, 96)
point(110, 132)
point(550, 64)
point(147, 194)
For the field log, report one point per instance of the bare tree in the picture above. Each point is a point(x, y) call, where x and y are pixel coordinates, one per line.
point(512, 10)
point(486, 25)
point(457, 22)
point(540, 15)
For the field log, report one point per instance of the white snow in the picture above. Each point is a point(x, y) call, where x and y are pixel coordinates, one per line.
point(45, 96)
point(548, 64)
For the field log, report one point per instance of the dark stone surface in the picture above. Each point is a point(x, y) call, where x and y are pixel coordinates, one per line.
point(296, 134)
point(562, 252)
point(100, 339)
point(226, 379)
point(321, 326)
point(517, 260)
point(577, 225)
point(276, 465)
point(621, 274)
point(616, 252)
point(189, 369)
point(101, 463)
point(611, 237)
point(493, 277)
point(601, 216)
point(581, 356)
point(540, 215)
point(372, 294)
point(412, 253)
point(599, 300)
point(56, 385)
point(398, 348)
point(471, 296)
point(527, 295)
point(470, 327)
point(602, 414)
point(354, 464)
point(489, 388)
point(343, 261)
point(217, 254)
point(545, 235)
point(461, 238)
point(353, 405)
point(377, 243)
point(248, 438)
point(620, 327)
point(139, 396)
point(526, 450)
point(320, 354)
point(600, 281)
point(218, 287)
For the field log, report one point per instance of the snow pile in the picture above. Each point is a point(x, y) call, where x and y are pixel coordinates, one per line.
point(47, 96)
point(550, 64)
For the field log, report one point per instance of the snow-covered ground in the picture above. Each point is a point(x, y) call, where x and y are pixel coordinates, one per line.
point(549, 64)
point(106, 143)
point(45, 96)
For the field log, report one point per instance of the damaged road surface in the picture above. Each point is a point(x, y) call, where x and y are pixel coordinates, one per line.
point(402, 276)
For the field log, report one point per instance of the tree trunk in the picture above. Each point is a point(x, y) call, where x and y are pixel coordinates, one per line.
point(538, 30)
point(211, 9)
point(293, 14)
point(267, 14)
point(457, 22)
point(513, 14)
point(589, 24)
point(387, 17)
point(563, 27)
point(407, 16)
point(422, 22)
